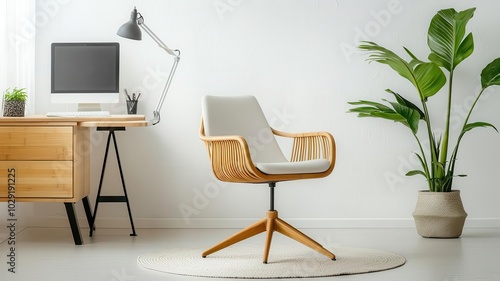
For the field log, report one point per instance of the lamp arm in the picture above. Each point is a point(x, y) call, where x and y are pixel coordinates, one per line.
point(156, 112)
point(160, 43)
point(175, 53)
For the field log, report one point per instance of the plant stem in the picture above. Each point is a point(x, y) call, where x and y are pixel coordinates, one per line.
point(425, 165)
point(444, 145)
point(432, 146)
point(453, 157)
point(472, 108)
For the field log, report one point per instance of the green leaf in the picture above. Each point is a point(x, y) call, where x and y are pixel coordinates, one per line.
point(377, 110)
point(465, 49)
point(471, 126)
point(437, 168)
point(427, 77)
point(370, 103)
point(382, 55)
point(491, 74)
point(430, 79)
point(416, 172)
point(402, 100)
point(15, 94)
point(410, 116)
point(446, 38)
point(398, 113)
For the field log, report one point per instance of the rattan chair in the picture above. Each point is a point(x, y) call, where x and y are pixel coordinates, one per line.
point(243, 149)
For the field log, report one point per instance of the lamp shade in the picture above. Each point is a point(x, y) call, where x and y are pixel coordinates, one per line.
point(131, 29)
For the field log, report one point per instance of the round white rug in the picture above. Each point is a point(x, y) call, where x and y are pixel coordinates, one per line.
point(285, 261)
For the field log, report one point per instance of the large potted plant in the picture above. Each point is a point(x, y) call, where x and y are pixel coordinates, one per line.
point(14, 102)
point(449, 46)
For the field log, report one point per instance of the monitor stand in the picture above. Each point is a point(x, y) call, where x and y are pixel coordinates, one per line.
point(89, 107)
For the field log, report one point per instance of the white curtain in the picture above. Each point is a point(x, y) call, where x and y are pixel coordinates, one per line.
point(17, 47)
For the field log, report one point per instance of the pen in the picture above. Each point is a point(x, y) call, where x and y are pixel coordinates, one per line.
point(126, 93)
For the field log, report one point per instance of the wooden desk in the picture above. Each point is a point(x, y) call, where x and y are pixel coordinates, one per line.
point(50, 159)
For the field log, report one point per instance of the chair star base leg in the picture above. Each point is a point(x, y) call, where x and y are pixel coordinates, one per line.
point(246, 233)
point(269, 224)
point(288, 230)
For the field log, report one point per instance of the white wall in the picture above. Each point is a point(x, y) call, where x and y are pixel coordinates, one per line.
point(298, 58)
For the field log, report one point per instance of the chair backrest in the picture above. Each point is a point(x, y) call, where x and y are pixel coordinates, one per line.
point(242, 116)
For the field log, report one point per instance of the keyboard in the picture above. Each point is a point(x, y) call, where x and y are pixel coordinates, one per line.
point(78, 113)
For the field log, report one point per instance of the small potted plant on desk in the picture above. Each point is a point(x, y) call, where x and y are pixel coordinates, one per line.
point(439, 212)
point(14, 102)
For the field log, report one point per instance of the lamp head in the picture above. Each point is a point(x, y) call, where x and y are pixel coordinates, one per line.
point(131, 29)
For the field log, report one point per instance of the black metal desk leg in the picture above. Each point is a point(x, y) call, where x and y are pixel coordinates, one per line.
point(88, 212)
point(92, 226)
point(123, 185)
point(73, 222)
point(110, 199)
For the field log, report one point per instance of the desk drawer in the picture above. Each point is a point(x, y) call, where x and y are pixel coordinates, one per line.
point(36, 143)
point(40, 179)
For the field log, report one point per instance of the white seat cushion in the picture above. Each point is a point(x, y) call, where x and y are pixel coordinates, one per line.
point(301, 167)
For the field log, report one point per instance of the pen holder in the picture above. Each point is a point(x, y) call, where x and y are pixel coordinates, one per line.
point(132, 106)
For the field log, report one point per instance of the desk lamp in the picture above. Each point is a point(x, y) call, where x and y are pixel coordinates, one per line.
point(132, 31)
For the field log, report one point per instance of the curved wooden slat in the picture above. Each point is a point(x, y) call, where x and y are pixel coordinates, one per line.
point(231, 161)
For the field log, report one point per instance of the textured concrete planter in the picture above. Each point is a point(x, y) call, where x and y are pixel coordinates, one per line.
point(13, 108)
point(439, 214)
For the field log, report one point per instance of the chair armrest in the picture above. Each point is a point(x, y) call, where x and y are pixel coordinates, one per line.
point(311, 145)
point(231, 161)
point(230, 158)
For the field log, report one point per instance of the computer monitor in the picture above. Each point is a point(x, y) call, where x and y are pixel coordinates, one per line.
point(85, 73)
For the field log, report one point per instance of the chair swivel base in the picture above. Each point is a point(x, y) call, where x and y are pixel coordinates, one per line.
point(269, 224)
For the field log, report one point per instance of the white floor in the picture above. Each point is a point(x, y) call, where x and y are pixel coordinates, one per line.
point(49, 253)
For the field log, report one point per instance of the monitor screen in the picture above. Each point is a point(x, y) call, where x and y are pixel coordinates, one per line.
point(85, 72)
